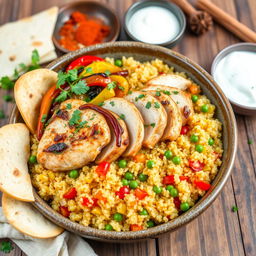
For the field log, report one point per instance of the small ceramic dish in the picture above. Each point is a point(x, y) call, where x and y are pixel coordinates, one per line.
point(250, 47)
point(224, 112)
point(93, 9)
point(159, 3)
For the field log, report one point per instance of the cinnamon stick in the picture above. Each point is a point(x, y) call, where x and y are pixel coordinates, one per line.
point(226, 20)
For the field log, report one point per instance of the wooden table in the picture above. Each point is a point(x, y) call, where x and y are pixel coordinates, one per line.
point(218, 231)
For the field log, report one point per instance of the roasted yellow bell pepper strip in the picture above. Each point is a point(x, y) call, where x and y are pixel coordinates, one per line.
point(122, 86)
point(104, 95)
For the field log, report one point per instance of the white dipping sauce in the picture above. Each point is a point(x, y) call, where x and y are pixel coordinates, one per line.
point(236, 74)
point(154, 25)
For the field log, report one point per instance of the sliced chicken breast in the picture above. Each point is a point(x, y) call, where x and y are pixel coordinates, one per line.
point(133, 120)
point(174, 120)
point(171, 80)
point(153, 114)
point(112, 151)
point(73, 137)
point(181, 98)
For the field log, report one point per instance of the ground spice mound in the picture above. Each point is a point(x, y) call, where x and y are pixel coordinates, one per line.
point(81, 30)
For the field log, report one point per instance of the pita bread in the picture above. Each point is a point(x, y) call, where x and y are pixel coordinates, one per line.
point(29, 91)
point(25, 218)
point(18, 40)
point(14, 154)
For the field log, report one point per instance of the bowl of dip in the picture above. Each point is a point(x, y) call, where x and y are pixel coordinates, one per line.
point(155, 22)
point(234, 70)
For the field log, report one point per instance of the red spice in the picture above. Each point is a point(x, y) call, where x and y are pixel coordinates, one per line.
point(82, 30)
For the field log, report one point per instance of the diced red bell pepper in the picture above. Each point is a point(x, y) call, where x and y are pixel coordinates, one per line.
point(184, 178)
point(202, 185)
point(135, 227)
point(196, 166)
point(86, 202)
point(184, 130)
point(83, 61)
point(168, 180)
point(140, 193)
point(102, 168)
point(99, 196)
point(64, 211)
point(177, 202)
point(123, 191)
point(71, 194)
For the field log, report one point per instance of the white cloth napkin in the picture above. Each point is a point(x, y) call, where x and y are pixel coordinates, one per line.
point(66, 244)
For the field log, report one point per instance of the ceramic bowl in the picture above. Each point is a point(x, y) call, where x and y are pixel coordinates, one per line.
point(145, 52)
point(250, 47)
point(159, 3)
point(93, 9)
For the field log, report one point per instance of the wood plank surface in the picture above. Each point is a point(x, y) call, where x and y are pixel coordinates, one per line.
point(218, 231)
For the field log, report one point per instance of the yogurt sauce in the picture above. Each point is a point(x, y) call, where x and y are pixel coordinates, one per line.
point(236, 74)
point(154, 25)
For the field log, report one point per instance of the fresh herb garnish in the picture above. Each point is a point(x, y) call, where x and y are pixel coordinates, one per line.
point(2, 115)
point(6, 83)
point(111, 85)
point(148, 105)
point(157, 105)
point(234, 208)
point(76, 116)
point(62, 97)
point(249, 141)
point(175, 92)
point(88, 70)
point(35, 59)
point(80, 88)
point(101, 104)
point(43, 119)
point(69, 106)
point(112, 103)
point(107, 72)
point(122, 116)
point(166, 92)
point(7, 98)
point(129, 92)
point(140, 97)
point(153, 125)
point(6, 247)
point(121, 87)
point(158, 93)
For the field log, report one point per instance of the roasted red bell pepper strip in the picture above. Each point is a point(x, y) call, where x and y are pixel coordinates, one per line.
point(47, 100)
point(168, 180)
point(140, 194)
point(83, 61)
point(202, 185)
point(98, 80)
point(64, 211)
point(135, 227)
point(102, 168)
point(71, 194)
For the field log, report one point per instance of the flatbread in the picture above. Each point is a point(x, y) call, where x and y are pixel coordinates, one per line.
point(14, 154)
point(29, 91)
point(18, 39)
point(25, 218)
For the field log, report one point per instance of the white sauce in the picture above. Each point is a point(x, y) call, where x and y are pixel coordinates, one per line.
point(154, 25)
point(236, 74)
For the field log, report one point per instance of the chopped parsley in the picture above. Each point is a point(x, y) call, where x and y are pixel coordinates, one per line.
point(175, 92)
point(112, 103)
point(2, 115)
point(249, 141)
point(140, 97)
point(152, 125)
point(80, 88)
point(107, 72)
point(234, 208)
point(35, 58)
point(148, 105)
point(76, 116)
point(166, 92)
point(6, 83)
point(129, 92)
point(62, 97)
point(111, 85)
point(81, 125)
point(101, 104)
point(69, 106)
point(6, 247)
point(157, 105)
point(122, 116)
point(7, 98)
point(177, 102)
point(121, 87)
point(43, 119)
point(88, 70)
point(158, 93)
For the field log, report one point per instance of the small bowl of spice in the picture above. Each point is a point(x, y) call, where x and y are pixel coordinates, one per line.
point(155, 22)
point(85, 23)
point(234, 70)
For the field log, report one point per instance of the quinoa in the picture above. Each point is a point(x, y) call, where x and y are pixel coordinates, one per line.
point(51, 186)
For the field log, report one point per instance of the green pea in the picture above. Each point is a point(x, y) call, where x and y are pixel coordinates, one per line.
point(32, 159)
point(211, 141)
point(144, 212)
point(125, 182)
point(143, 177)
point(205, 108)
point(108, 227)
point(157, 189)
point(194, 98)
point(199, 148)
point(168, 154)
point(150, 164)
point(133, 184)
point(169, 188)
point(176, 160)
point(118, 63)
point(174, 192)
point(118, 216)
point(122, 163)
point(150, 223)
point(194, 138)
point(73, 174)
point(128, 175)
point(184, 207)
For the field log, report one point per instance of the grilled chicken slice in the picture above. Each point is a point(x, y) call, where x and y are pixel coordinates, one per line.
point(171, 80)
point(73, 137)
point(174, 120)
point(181, 98)
point(153, 114)
point(112, 151)
point(133, 120)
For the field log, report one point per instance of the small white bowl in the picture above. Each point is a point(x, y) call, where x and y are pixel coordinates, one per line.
point(251, 47)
